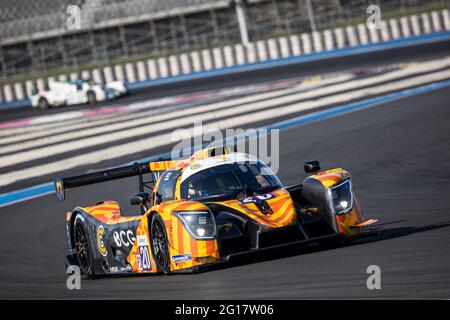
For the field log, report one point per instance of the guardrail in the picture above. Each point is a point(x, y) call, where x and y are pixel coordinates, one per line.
point(143, 72)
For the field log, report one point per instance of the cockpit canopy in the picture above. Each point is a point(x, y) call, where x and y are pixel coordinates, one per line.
point(222, 176)
point(228, 180)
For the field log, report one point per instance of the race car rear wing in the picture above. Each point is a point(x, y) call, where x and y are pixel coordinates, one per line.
point(136, 169)
point(156, 166)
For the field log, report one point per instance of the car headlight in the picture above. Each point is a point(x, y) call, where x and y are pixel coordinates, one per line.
point(342, 197)
point(200, 224)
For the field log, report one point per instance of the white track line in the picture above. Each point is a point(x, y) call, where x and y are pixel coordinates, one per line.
point(72, 117)
point(163, 122)
point(80, 124)
point(104, 127)
point(235, 122)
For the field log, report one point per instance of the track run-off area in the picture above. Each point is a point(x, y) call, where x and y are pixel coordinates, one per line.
point(385, 119)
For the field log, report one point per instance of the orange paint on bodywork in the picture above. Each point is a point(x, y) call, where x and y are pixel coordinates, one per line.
point(281, 205)
point(181, 241)
point(108, 212)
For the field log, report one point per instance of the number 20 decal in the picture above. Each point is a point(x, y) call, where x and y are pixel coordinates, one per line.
point(144, 258)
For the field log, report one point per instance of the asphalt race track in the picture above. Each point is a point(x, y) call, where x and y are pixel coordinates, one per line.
point(398, 153)
point(399, 156)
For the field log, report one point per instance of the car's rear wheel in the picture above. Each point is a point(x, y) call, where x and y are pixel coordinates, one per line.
point(160, 244)
point(91, 96)
point(82, 247)
point(43, 103)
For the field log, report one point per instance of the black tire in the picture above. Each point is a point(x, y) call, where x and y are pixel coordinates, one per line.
point(43, 103)
point(91, 97)
point(159, 244)
point(83, 248)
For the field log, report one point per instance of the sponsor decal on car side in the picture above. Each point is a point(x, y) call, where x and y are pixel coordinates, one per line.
point(142, 240)
point(143, 255)
point(100, 243)
point(257, 199)
point(120, 269)
point(182, 258)
point(124, 238)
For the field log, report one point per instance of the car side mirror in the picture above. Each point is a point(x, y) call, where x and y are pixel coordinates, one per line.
point(139, 199)
point(312, 166)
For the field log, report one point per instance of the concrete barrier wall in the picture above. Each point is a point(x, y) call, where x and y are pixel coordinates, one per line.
point(263, 50)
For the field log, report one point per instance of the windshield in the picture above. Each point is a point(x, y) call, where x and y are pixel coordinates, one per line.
point(228, 180)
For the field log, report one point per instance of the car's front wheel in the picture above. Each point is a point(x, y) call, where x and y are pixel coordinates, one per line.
point(43, 103)
point(82, 246)
point(160, 244)
point(91, 97)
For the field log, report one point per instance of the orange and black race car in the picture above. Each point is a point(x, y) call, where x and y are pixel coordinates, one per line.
point(206, 209)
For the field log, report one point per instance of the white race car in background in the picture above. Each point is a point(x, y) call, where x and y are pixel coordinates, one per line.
point(76, 92)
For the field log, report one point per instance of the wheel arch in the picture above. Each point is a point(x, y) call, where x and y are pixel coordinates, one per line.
point(167, 229)
point(71, 225)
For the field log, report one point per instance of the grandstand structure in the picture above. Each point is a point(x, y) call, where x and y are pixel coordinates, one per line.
point(34, 35)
